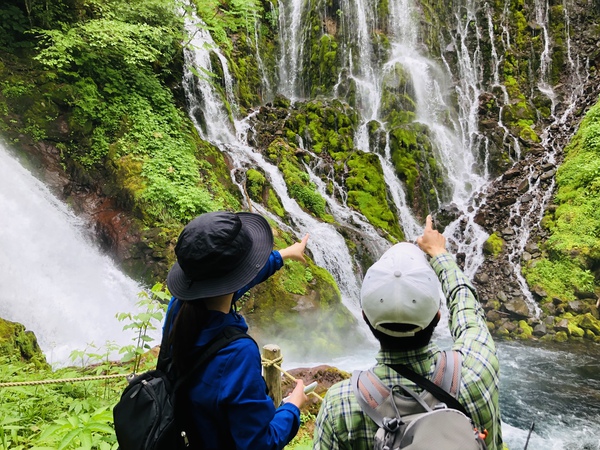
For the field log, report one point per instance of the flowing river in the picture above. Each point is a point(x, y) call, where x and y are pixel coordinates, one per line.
point(56, 282)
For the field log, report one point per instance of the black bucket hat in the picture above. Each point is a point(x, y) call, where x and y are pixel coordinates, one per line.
point(219, 253)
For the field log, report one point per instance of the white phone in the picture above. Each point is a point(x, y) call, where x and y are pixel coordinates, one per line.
point(307, 390)
point(311, 387)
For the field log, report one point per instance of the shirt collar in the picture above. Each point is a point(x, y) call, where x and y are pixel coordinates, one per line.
point(409, 357)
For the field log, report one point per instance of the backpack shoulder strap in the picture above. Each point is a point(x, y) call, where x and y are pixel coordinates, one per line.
point(370, 393)
point(447, 374)
point(208, 351)
point(373, 396)
point(433, 388)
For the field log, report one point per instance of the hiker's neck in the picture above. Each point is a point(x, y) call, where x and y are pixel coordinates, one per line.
point(221, 303)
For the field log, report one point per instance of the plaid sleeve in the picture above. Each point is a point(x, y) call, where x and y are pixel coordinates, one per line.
point(479, 386)
point(341, 423)
point(324, 435)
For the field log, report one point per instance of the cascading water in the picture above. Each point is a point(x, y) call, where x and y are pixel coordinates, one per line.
point(431, 89)
point(328, 247)
point(54, 280)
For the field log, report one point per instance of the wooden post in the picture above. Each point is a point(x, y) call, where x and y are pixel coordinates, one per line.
point(272, 375)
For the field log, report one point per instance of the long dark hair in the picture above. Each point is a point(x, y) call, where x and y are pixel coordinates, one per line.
point(189, 322)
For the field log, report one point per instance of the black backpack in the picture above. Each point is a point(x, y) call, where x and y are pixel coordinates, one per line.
point(433, 419)
point(147, 417)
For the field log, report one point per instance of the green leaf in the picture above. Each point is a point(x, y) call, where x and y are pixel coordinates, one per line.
point(49, 431)
point(86, 439)
point(100, 428)
point(71, 435)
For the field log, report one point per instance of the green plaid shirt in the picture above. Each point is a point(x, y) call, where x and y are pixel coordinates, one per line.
point(341, 424)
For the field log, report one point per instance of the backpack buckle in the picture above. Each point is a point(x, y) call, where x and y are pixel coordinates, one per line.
point(391, 424)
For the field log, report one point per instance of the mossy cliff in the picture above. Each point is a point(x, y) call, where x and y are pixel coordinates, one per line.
point(94, 95)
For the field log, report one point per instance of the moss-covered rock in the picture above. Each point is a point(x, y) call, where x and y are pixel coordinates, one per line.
point(296, 299)
point(526, 331)
point(588, 322)
point(493, 245)
point(18, 343)
point(414, 160)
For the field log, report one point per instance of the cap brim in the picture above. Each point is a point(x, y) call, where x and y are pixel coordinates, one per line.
point(184, 288)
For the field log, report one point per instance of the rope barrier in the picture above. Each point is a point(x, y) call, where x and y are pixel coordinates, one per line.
point(264, 362)
point(63, 380)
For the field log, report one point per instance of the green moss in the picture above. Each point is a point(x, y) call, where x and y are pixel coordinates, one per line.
point(575, 331)
point(527, 330)
point(17, 344)
point(274, 204)
point(559, 277)
point(561, 336)
point(255, 183)
point(297, 180)
point(572, 251)
point(414, 160)
point(367, 192)
point(527, 133)
point(493, 245)
point(295, 281)
point(588, 323)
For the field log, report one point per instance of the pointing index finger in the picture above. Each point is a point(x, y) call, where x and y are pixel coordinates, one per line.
point(428, 223)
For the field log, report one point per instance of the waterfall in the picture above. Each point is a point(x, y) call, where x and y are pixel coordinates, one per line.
point(466, 235)
point(326, 244)
point(541, 18)
point(292, 47)
point(456, 144)
point(55, 281)
point(496, 61)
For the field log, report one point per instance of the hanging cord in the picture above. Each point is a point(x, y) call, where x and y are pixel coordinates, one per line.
point(529, 435)
point(273, 363)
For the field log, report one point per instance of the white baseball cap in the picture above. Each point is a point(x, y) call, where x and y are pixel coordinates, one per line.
point(401, 288)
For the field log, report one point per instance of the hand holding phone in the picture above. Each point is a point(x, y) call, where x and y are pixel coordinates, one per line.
point(307, 390)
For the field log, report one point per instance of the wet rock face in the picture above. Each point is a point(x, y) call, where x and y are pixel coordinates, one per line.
point(113, 226)
point(514, 202)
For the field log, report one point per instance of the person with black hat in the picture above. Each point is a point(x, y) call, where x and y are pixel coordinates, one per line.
point(220, 255)
point(401, 301)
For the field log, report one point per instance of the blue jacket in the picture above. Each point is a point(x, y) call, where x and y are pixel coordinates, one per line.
point(229, 398)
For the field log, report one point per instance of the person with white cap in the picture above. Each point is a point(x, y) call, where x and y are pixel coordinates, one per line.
point(400, 299)
point(220, 255)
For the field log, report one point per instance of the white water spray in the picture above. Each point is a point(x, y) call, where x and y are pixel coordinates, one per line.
point(54, 280)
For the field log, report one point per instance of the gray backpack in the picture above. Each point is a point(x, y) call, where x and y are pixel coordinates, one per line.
point(412, 421)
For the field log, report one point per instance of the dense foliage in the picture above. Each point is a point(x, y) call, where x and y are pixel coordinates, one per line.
point(105, 69)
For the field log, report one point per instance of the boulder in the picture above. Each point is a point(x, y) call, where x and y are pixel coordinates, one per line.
point(17, 342)
point(540, 329)
point(517, 307)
